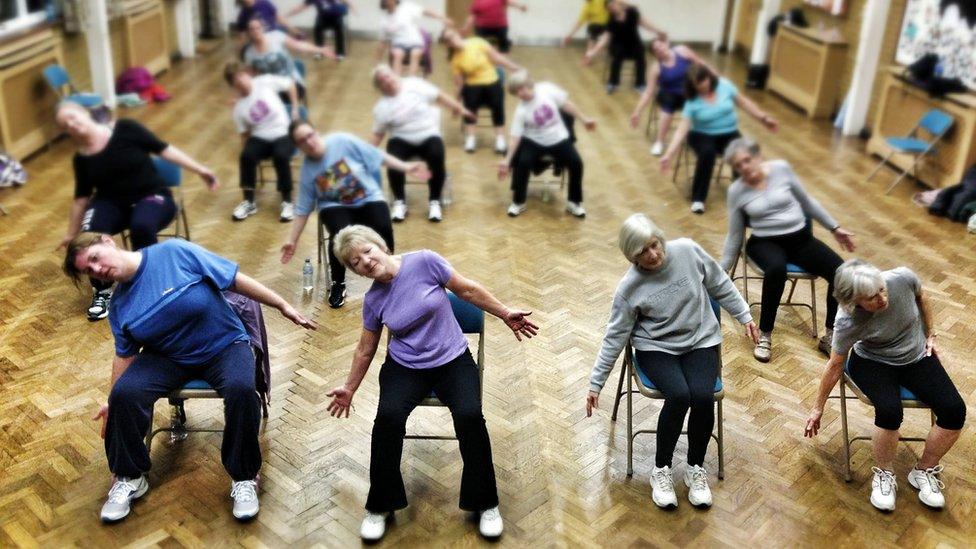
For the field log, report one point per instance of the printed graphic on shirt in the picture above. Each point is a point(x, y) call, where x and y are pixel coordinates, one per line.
point(544, 116)
point(338, 184)
point(272, 63)
point(671, 290)
point(259, 111)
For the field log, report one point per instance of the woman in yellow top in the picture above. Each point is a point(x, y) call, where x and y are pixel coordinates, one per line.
point(475, 63)
point(595, 16)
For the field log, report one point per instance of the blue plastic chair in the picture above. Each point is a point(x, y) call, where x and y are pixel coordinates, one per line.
point(172, 176)
point(635, 375)
point(60, 82)
point(908, 400)
point(300, 67)
point(471, 319)
point(936, 123)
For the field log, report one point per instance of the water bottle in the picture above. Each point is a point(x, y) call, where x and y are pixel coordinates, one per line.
point(308, 281)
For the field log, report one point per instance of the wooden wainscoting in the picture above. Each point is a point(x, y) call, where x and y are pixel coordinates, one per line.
point(24, 130)
point(145, 36)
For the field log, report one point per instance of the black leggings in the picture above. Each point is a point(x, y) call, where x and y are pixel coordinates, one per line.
point(489, 95)
point(255, 150)
point(707, 149)
point(500, 34)
point(430, 151)
point(529, 152)
point(687, 381)
point(772, 253)
point(375, 215)
point(617, 57)
point(457, 385)
point(144, 218)
point(927, 379)
point(324, 21)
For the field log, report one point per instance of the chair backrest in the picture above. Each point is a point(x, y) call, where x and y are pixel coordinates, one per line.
point(56, 77)
point(936, 122)
point(300, 67)
point(168, 171)
point(469, 317)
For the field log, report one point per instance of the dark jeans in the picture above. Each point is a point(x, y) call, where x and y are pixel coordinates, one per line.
point(617, 57)
point(144, 218)
point(491, 96)
point(430, 151)
point(458, 386)
point(151, 377)
point(564, 154)
point(707, 149)
point(375, 215)
point(882, 383)
point(279, 151)
point(500, 34)
point(324, 21)
point(687, 381)
point(772, 253)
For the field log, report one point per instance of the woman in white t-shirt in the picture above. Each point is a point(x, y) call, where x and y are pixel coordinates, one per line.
point(538, 129)
point(400, 32)
point(269, 52)
point(408, 112)
point(262, 121)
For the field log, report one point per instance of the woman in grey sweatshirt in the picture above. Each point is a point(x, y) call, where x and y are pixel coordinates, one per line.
point(662, 307)
point(769, 197)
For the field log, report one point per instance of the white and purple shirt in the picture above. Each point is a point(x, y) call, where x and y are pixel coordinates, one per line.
point(539, 119)
point(261, 112)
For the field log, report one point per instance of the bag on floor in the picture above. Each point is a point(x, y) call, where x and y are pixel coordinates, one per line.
point(12, 172)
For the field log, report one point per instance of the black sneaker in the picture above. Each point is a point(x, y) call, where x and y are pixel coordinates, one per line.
point(337, 295)
point(99, 305)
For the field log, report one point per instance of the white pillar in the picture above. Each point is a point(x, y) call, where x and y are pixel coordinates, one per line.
point(99, 49)
point(873, 21)
point(185, 36)
point(723, 9)
point(760, 43)
point(734, 28)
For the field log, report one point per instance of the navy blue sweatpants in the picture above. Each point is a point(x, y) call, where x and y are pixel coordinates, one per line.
point(151, 377)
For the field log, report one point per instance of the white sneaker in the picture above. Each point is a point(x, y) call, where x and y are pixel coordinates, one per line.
point(245, 494)
point(470, 142)
point(576, 209)
point(696, 479)
point(929, 486)
point(883, 490)
point(501, 147)
point(764, 349)
point(490, 524)
point(657, 149)
point(374, 526)
point(434, 211)
point(123, 492)
point(244, 209)
point(662, 488)
point(399, 211)
point(515, 209)
point(698, 207)
point(287, 212)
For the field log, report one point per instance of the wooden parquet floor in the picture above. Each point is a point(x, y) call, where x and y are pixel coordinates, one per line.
point(562, 477)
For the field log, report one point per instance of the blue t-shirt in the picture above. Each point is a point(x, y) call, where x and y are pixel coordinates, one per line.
point(172, 307)
point(348, 174)
point(714, 118)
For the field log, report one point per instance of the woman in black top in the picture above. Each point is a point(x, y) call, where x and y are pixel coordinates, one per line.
point(623, 35)
point(116, 184)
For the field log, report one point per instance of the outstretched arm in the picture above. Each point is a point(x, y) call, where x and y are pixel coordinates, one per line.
point(499, 59)
point(600, 44)
point(253, 289)
point(835, 367)
point(177, 156)
point(572, 109)
point(750, 107)
point(645, 99)
point(342, 395)
point(479, 296)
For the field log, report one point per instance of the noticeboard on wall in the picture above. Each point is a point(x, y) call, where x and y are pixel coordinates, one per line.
point(946, 28)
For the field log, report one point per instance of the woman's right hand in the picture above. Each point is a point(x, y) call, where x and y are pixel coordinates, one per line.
point(102, 415)
point(813, 423)
point(665, 163)
point(587, 59)
point(287, 251)
point(502, 169)
point(592, 402)
point(752, 332)
point(635, 120)
point(341, 401)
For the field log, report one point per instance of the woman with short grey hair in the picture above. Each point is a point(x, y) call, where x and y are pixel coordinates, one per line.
point(886, 326)
point(662, 307)
point(769, 197)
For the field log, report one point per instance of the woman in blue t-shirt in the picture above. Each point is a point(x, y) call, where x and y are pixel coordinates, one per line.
point(171, 326)
point(427, 354)
point(710, 123)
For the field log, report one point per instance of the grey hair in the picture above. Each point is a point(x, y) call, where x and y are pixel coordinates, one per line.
point(519, 80)
point(380, 69)
point(346, 241)
point(741, 144)
point(637, 232)
point(854, 280)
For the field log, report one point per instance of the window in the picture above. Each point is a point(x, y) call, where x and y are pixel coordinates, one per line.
point(18, 14)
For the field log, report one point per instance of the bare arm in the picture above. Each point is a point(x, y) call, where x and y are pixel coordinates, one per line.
point(342, 395)
point(750, 107)
point(296, 10)
point(600, 44)
point(307, 47)
point(293, 100)
point(468, 25)
point(835, 367)
point(454, 105)
point(376, 138)
point(284, 24)
point(297, 226)
point(572, 109)
point(927, 326)
point(645, 99)
point(438, 17)
point(499, 59)
point(480, 297)
point(184, 160)
point(684, 126)
point(572, 31)
point(78, 207)
point(506, 163)
point(647, 25)
point(690, 54)
point(459, 83)
point(253, 289)
point(517, 5)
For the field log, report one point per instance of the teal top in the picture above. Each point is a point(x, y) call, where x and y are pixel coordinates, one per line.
point(717, 117)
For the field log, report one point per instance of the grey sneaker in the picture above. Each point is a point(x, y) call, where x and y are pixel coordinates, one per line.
point(120, 497)
point(243, 210)
point(245, 494)
point(514, 210)
point(764, 349)
point(696, 479)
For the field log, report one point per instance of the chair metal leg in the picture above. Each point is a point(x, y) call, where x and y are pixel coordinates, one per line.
point(186, 224)
point(745, 278)
point(844, 431)
point(900, 177)
point(878, 167)
point(149, 433)
point(630, 423)
point(319, 240)
point(721, 444)
point(620, 386)
point(813, 306)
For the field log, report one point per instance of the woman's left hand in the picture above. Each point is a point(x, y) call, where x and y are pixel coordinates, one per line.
point(418, 170)
point(210, 178)
point(589, 124)
point(770, 123)
point(845, 239)
point(291, 314)
point(752, 332)
point(930, 349)
point(520, 325)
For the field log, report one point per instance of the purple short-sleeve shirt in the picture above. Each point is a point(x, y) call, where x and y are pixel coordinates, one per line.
point(416, 309)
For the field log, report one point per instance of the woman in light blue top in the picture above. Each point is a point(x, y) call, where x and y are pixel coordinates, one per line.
point(709, 122)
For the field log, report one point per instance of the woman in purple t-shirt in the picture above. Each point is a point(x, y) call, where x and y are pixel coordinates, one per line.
point(427, 353)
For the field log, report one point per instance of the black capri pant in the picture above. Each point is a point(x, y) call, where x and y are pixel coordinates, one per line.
point(431, 151)
point(488, 95)
point(526, 159)
point(375, 215)
point(882, 384)
point(500, 34)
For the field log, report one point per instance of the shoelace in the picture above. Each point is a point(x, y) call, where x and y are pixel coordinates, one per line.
point(886, 480)
point(663, 480)
point(932, 476)
point(244, 491)
point(374, 518)
point(490, 514)
point(119, 493)
point(699, 479)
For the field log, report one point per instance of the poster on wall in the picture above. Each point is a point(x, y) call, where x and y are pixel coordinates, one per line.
point(833, 7)
point(946, 28)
